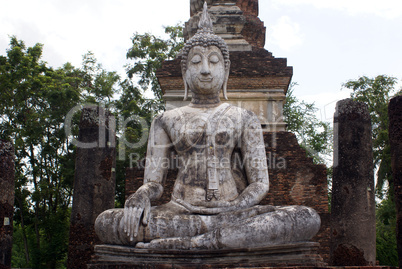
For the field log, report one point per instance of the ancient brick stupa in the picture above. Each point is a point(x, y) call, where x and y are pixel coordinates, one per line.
point(258, 81)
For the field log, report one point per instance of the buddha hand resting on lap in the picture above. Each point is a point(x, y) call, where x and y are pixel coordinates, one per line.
point(214, 203)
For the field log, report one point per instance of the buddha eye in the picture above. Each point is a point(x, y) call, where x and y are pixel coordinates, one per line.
point(214, 59)
point(196, 59)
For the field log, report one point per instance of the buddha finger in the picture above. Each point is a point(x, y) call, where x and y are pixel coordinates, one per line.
point(131, 223)
point(146, 215)
point(126, 219)
point(127, 211)
point(217, 210)
point(214, 204)
point(136, 221)
point(189, 207)
point(133, 214)
point(211, 211)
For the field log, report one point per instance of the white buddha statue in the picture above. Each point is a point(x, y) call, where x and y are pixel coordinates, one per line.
point(214, 203)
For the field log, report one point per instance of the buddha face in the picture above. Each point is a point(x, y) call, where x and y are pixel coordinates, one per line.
point(206, 73)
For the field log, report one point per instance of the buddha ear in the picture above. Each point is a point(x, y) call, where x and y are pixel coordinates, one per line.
point(185, 84)
point(185, 91)
point(225, 82)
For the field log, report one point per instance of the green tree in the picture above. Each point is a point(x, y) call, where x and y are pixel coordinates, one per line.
point(98, 85)
point(148, 52)
point(313, 134)
point(33, 103)
point(376, 93)
point(385, 233)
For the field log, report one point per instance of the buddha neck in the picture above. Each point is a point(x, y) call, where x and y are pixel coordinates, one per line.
point(201, 100)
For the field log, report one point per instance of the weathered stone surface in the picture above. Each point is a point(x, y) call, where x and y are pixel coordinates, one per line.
point(228, 22)
point(294, 180)
point(395, 139)
point(6, 202)
point(94, 182)
point(353, 206)
point(302, 253)
point(222, 174)
point(235, 21)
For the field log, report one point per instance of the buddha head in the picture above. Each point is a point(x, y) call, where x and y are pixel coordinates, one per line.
point(205, 61)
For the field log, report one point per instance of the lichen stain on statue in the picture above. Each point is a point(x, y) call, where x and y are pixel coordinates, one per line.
point(214, 203)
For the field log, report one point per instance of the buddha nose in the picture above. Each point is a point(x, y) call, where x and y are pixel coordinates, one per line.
point(205, 68)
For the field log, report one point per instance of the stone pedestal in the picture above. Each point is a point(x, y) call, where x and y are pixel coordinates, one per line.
point(6, 202)
point(353, 233)
point(297, 254)
point(94, 182)
point(395, 139)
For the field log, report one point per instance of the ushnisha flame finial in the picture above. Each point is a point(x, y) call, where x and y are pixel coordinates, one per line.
point(205, 23)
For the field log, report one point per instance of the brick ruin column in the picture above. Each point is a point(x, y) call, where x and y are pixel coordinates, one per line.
point(94, 183)
point(6, 202)
point(395, 139)
point(353, 206)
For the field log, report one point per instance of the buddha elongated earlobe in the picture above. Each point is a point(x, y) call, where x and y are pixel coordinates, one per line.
point(225, 83)
point(185, 86)
point(185, 91)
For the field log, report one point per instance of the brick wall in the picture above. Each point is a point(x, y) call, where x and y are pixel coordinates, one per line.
point(254, 29)
point(294, 180)
point(249, 7)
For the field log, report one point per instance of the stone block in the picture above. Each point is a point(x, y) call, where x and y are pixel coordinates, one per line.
point(353, 207)
point(297, 254)
point(94, 182)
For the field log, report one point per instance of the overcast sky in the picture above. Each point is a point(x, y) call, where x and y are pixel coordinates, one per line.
point(326, 42)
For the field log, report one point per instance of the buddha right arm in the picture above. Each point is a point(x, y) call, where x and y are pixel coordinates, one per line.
point(139, 203)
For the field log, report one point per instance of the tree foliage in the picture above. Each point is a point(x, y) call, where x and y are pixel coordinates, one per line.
point(148, 52)
point(385, 233)
point(313, 134)
point(34, 102)
point(376, 93)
